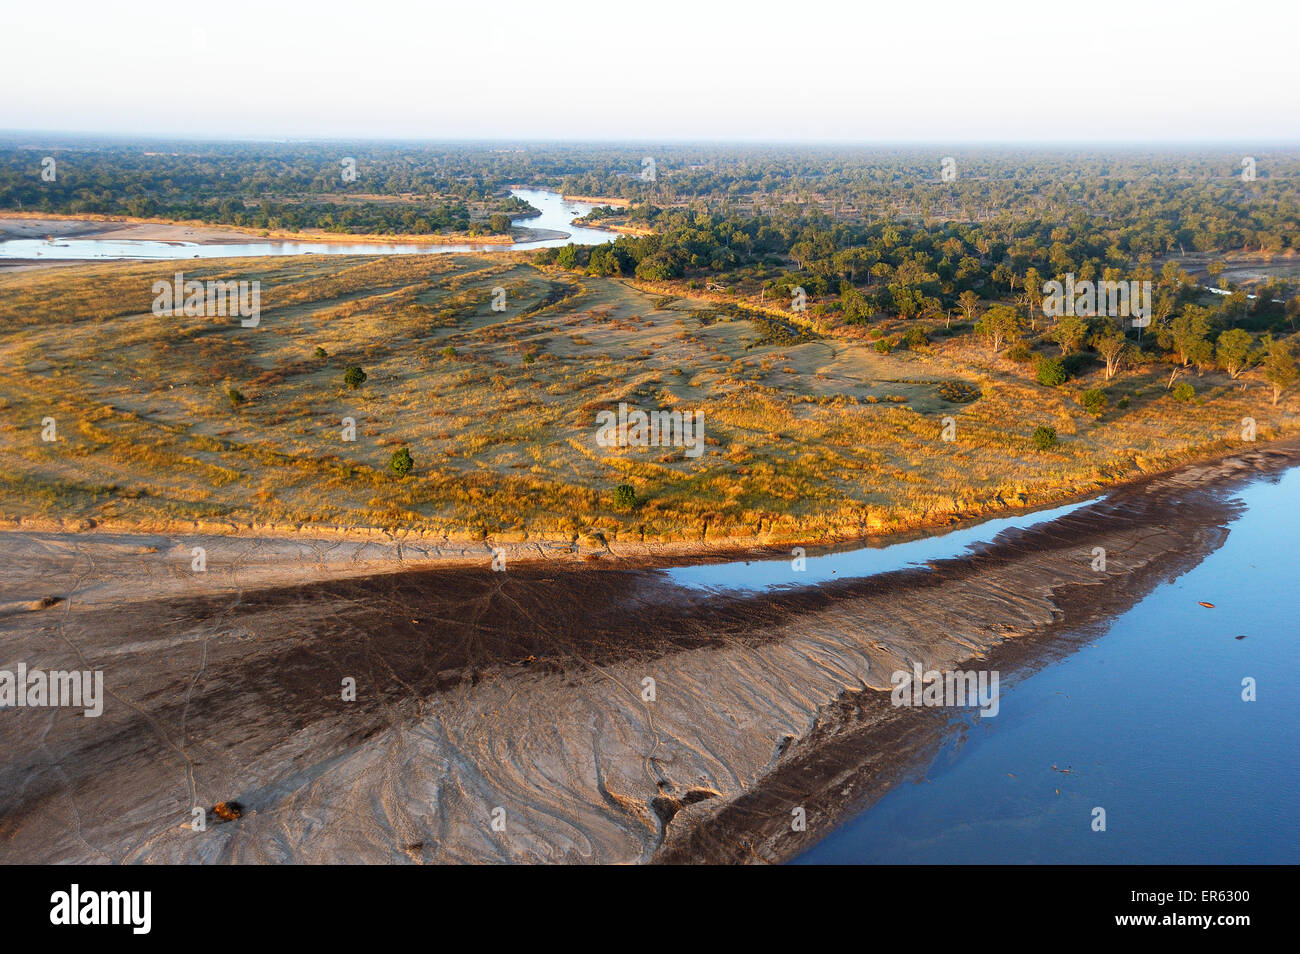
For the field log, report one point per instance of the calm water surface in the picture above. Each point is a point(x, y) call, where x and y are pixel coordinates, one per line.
point(1150, 722)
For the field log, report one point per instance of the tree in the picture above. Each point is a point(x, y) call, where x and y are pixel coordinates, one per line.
point(1114, 348)
point(1233, 351)
point(968, 301)
point(1033, 296)
point(401, 462)
point(1000, 325)
point(354, 377)
point(1279, 366)
point(1044, 436)
point(1070, 333)
point(1187, 333)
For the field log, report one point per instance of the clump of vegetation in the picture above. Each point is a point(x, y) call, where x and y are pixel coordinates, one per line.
point(1044, 437)
point(1020, 353)
point(958, 392)
point(1051, 372)
point(235, 397)
point(320, 353)
point(625, 496)
point(1094, 401)
point(401, 462)
point(916, 338)
point(1279, 366)
point(449, 352)
point(1184, 391)
point(354, 377)
point(885, 345)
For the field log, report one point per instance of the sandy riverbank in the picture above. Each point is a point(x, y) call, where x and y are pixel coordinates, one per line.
point(26, 225)
point(520, 691)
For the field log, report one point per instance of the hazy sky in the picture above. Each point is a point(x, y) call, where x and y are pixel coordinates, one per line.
point(915, 70)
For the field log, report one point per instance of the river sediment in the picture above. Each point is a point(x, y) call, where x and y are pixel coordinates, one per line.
point(556, 711)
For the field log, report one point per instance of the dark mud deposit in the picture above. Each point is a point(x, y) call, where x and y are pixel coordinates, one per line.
point(518, 696)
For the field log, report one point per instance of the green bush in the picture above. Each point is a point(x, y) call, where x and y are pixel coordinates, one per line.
point(354, 377)
point(401, 462)
point(1184, 392)
point(1051, 372)
point(236, 398)
point(449, 352)
point(625, 496)
point(1094, 401)
point(1044, 436)
point(321, 353)
point(884, 346)
point(916, 338)
point(1020, 353)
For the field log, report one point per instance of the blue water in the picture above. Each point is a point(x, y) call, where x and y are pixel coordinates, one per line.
point(757, 575)
point(1150, 721)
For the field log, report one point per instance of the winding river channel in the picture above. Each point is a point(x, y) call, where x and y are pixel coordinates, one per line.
point(557, 214)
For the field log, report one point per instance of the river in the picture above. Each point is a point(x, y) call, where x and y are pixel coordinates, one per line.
point(557, 214)
point(1146, 721)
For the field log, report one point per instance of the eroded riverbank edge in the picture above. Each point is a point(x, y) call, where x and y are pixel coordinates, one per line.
point(269, 554)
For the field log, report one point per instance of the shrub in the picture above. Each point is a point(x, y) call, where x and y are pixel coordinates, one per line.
point(321, 353)
point(916, 338)
point(1044, 436)
point(958, 392)
point(1051, 372)
point(236, 398)
point(1094, 401)
point(1020, 352)
point(1184, 391)
point(884, 346)
point(354, 377)
point(625, 496)
point(401, 462)
point(449, 352)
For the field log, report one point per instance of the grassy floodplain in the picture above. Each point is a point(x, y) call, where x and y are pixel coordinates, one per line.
point(177, 422)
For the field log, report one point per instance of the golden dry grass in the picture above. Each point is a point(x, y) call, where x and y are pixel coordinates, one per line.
point(807, 435)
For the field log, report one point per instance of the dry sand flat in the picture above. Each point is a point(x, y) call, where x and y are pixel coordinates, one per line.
point(110, 229)
point(522, 691)
point(15, 225)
